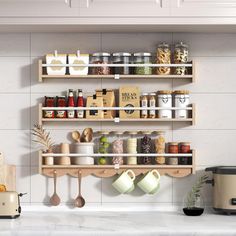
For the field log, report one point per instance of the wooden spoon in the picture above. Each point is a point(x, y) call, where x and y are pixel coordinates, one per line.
point(55, 200)
point(87, 135)
point(76, 135)
point(79, 201)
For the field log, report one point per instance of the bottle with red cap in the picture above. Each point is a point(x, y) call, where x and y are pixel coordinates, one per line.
point(71, 103)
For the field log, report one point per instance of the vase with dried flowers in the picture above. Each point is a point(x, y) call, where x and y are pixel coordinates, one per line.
point(43, 139)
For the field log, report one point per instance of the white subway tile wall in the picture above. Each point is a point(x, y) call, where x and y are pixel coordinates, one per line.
point(214, 94)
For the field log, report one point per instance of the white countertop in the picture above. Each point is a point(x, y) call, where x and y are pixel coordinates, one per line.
point(117, 223)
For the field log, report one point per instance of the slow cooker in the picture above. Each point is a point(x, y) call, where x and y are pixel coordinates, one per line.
point(224, 188)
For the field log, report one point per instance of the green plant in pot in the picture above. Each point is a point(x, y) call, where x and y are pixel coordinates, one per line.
point(193, 201)
point(43, 139)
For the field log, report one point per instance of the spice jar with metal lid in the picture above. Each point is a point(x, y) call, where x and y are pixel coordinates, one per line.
point(164, 99)
point(144, 104)
point(117, 148)
point(184, 147)
point(132, 148)
point(143, 58)
point(102, 58)
point(173, 147)
point(122, 58)
point(146, 147)
point(152, 104)
point(61, 102)
point(181, 100)
point(160, 147)
point(172, 161)
point(163, 57)
point(180, 57)
point(49, 101)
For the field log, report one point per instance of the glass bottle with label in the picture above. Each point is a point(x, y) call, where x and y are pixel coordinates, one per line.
point(144, 104)
point(152, 104)
point(80, 103)
point(71, 103)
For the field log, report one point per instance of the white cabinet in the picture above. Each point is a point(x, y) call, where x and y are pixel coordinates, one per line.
point(203, 8)
point(37, 8)
point(124, 8)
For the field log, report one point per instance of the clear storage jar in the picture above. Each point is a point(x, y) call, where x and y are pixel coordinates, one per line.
point(100, 58)
point(163, 57)
point(181, 57)
point(132, 144)
point(117, 148)
point(122, 58)
point(143, 58)
point(160, 145)
point(104, 145)
point(146, 147)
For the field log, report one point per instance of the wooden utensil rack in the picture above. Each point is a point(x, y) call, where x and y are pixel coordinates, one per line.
point(104, 171)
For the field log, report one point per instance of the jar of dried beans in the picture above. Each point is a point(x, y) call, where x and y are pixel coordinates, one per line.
point(101, 58)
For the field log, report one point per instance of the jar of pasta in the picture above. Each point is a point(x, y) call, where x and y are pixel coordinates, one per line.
point(160, 145)
point(180, 57)
point(163, 57)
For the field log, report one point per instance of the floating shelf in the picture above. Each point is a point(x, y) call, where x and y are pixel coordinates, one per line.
point(116, 119)
point(43, 75)
point(111, 170)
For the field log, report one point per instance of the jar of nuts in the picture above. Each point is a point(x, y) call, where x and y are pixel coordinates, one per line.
point(181, 57)
point(101, 58)
point(163, 57)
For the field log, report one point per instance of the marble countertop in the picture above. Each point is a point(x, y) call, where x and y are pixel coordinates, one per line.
point(117, 223)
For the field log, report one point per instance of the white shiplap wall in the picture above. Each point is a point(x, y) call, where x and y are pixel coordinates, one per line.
point(214, 94)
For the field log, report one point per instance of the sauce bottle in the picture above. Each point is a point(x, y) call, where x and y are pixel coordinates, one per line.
point(80, 103)
point(71, 103)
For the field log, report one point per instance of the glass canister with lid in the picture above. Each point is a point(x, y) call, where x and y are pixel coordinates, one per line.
point(104, 145)
point(180, 57)
point(181, 100)
point(164, 101)
point(160, 145)
point(143, 58)
point(117, 148)
point(100, 58)
point(146, 147)
point(163, 57)
point(132, 148)
point(122, 58)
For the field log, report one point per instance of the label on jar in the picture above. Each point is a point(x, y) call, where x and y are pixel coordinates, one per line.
point(61, 114)
point(80, 114)
point(71, 114)
point(144, 103)
point(152, 105)
point(48, 114)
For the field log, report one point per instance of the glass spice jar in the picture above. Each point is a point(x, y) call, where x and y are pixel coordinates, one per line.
point(121, 58)
point(160, 147)
point(146, 148)
point(180, 57)
point(152, 104)
point(132, 148)
point(49, 102)
point(101, 58)
point(143, 58)
point(61, 102)
point(163, 57)
point(184, 147)
point(173, 147)
point(117, 148)
point(144, 104)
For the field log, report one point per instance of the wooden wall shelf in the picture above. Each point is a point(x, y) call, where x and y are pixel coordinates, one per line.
point(111, 170)
point(43, 75)
point(42, 120)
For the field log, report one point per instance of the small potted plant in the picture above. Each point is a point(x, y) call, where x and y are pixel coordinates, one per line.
point(42, 137)
point(193, 201)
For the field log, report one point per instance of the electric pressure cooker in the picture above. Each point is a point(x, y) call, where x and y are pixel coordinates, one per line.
point(224, 188)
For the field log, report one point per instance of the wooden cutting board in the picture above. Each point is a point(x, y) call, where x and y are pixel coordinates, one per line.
point(7, 174)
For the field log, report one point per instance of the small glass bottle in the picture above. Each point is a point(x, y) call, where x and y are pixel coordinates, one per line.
point(152, 104)
point(117, 148)
point(132, 148)
point(144, 104)
point(104, 145)
point(146, 148)
point(71, 103)
point(80, 103)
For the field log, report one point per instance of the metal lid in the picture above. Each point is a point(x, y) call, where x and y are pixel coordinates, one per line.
point(165, 92)
point(146, 132)
point(144, 94)
point(164, 45)
point(181, 44)
point(119, 54)
point(184, 143)
point(141, 54)
point(227, 170)
point(152, 94)
point(100, 54)
point(173, 143)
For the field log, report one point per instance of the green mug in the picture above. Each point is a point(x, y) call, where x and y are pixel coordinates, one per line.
point(149, 182)
point(125, 182)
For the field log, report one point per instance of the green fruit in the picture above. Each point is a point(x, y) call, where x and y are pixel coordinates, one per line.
point(102, 150)
point(106, 145)
point(103, 139)
point(102, 161)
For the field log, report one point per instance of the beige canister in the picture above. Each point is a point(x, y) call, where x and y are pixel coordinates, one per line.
point(65, 149)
